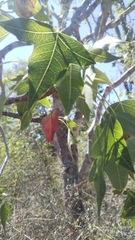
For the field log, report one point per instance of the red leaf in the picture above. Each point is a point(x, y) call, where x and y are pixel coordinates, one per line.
point(49, 125)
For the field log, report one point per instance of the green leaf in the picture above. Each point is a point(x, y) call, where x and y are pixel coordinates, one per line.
point(3, 32)
point(71, 124)
point(22, 107)
point(83, 107)
point(117, 174)
point(87, 90)
point(53, 52)
point(107, 42)
point(127, 106)
point(45, 102)
point(131, 147)
point(131, 212)
point(128, 210)
point(93, 171)
point(102, 56)
point(39, 13)
point(127, 122)
point(100, 186)
point(2, 102)
point(123, 157)
point(100, 78)
point(70, 86)
point(26, 119)
point(105, 136)
point(17, 78)
point(21, 87)
point(5, 211)
point(133, 222)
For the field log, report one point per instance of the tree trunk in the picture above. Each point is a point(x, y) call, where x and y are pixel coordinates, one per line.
point(72, 195)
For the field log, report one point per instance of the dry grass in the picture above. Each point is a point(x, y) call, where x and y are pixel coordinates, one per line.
point(32, 182)
point(38, 210)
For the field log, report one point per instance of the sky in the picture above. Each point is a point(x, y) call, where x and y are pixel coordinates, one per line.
point(23, 53)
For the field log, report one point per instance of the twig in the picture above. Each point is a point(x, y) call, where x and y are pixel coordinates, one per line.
point(18, 116)
point(7, 151)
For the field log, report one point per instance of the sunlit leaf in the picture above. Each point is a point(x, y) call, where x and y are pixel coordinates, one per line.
point(127, 106)
point(45, 102)
point(107, 42)
point(87, 90)
point(70, 124)
point(105, 136)
point(127, 122)
point(53, 52)
point(3, 32)
point(39, 12)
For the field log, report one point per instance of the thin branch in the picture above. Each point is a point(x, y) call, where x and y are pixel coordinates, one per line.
point(24, 97)
point(64, 13)
point(118, 21)
point(18, 116)
point(12, 46)
point(7, 151)
point(105, 9)
point(112, 24)
point(80, 14)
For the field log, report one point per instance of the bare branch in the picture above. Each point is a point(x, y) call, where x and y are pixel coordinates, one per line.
point(11, 46)
point(7, 151)
point(105, 8)
point(112, 24)
point(18, 116)
point(80, 14)
point(64, 13)
point(24, 97)
point(118, 21)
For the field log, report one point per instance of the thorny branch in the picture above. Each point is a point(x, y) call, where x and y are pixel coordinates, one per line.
point(7, 151)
